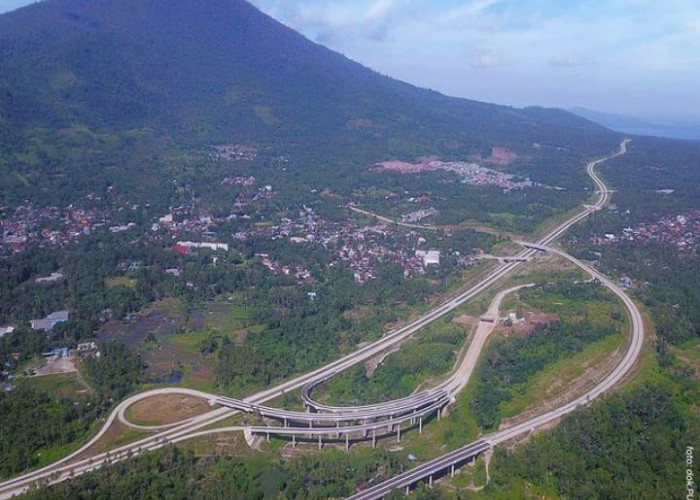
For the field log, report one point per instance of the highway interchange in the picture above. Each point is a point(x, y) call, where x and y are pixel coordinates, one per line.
point(363, 422)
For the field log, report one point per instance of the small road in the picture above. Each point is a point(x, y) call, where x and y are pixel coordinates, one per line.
point(466, 368)
point(453, 385)
point(392, 221)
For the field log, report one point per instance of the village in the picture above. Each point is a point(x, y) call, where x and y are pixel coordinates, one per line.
point(680, 231)
point(364, 246)
point(45, 226)
point(468, 173)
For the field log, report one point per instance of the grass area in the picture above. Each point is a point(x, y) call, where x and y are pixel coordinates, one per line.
point(192, 381)
point(689, 354)
point(51, 454)
point(223, 321)
point(600, 308)
point(120, 281)
point(64, 385)
point(122, 436)
point(520, 490)
point(187, 342)
point(431, 354)
point(558, 376)
point(647, 369)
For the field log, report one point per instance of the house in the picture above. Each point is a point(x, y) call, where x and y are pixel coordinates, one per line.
point(430, 257)
point(51, 278)
point(47, 323)
point(61, 352)
point(4, 330)
point(166, 220)
point(210, 246)
point(87, 346)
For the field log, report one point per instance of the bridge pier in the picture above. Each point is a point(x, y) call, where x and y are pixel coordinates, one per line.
point(452, 471)
point(320, 442)
point(430, 481)
point(374, 438)
point(398, 433)
point(347, 442)
point(285, 422)
point(294, 441)
point(420, 425)
point(268, 436)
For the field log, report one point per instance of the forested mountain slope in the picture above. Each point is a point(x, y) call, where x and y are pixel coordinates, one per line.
point(86, 86)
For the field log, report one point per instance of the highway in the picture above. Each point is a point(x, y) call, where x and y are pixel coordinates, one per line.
point(76, 463)
point(426, 471)
point(429, 469)
point(451, 386)
point(361, 420)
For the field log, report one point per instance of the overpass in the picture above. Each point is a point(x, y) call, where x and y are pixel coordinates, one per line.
point(434, 468)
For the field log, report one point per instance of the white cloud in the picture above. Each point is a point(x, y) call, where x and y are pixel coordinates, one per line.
point(485, 60)
point(568, 61)
point(381, 9)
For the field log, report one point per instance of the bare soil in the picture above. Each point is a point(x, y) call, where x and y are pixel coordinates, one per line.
point(466, 320)
point(167, 409)
point(532, 321)
point(55, 365)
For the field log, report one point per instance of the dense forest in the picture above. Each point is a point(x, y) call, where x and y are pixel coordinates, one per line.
point(629, 445)
point(176, 474)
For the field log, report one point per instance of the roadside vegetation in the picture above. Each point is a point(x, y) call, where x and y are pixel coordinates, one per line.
point(45, 418)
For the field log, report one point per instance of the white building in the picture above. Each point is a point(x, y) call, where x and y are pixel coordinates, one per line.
point(4, 330)
point(430, 257)
point(210, 246)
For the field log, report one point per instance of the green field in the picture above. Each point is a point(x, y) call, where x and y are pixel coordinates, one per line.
point(63, 385)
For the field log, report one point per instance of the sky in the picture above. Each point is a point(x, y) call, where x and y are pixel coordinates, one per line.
point(635, 57)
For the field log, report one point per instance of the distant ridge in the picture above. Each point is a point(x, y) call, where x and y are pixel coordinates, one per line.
point(638, 126)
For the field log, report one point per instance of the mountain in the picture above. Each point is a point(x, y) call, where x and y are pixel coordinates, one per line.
point(91, 85)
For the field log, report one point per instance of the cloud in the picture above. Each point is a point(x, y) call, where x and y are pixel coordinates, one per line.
point(377, 32)
point(568, 61)
point(466, 12)
point(339, 20)
point(485, 60)
point(381, 10)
